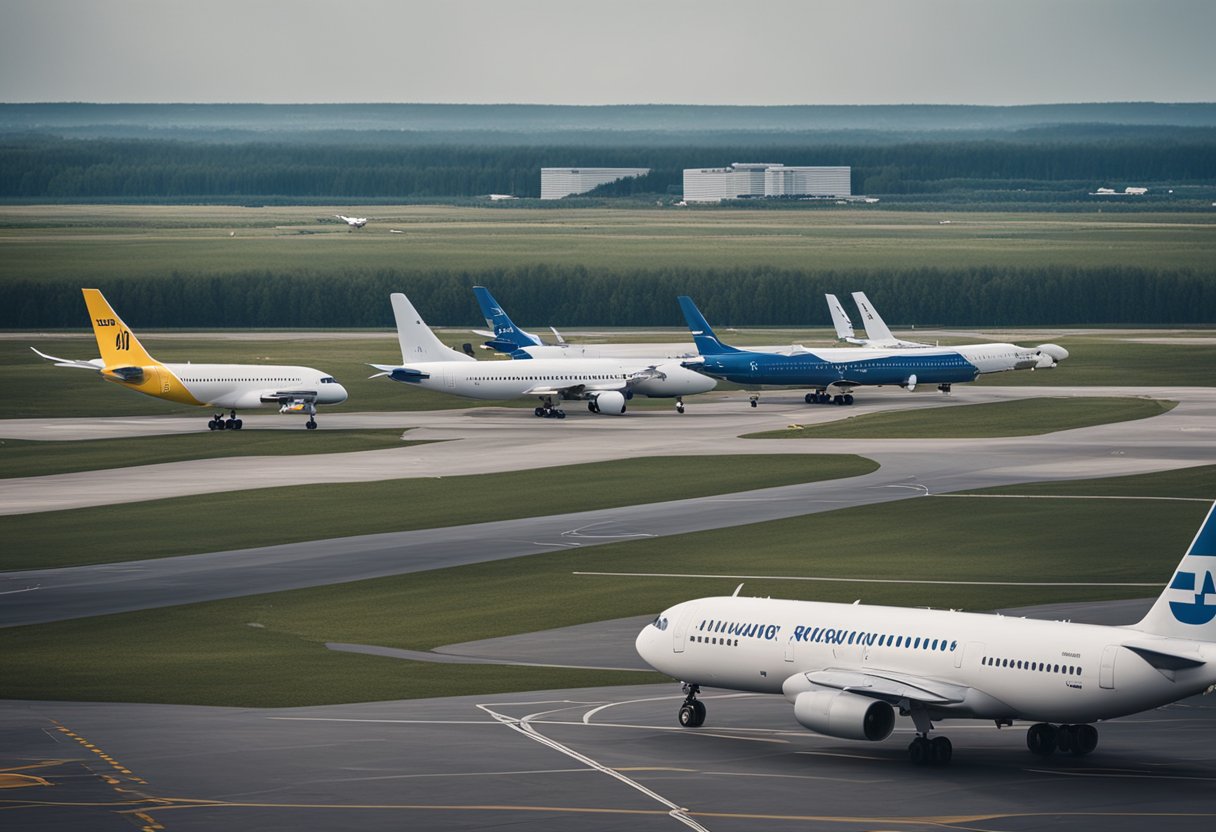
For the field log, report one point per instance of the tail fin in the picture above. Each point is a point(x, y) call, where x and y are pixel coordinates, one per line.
point(118, 344)
point(876, 327)
point(707, 343)
point(418, 343)
point(840, 319)
point(507, 336)
point(1187, 607)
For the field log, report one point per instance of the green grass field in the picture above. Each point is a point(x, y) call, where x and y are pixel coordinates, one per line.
point(1023, 417)
point(268, 650)
point(27, 458)
point(107, 242)
point(263, 517)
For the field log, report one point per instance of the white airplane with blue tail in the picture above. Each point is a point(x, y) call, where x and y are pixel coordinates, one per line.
point(847, 669)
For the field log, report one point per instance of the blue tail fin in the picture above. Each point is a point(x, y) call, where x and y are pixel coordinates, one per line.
point(707, 343)
point(507, 336)
point(1187, 607)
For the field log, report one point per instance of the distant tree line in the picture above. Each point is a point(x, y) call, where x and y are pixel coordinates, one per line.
point(574, 297)
point(42, 167)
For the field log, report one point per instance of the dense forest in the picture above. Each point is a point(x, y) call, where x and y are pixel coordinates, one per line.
point(42, 168)
point(539, 296)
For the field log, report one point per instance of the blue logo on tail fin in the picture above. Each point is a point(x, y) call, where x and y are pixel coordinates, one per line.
point(1203, 608)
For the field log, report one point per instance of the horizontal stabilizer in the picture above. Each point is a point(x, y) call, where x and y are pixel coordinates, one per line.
point(131, 375)
point(94, 364)
point(1167, 659)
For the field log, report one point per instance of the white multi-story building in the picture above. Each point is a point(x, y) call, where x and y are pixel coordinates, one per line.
point(556, 183)
point(756, 179)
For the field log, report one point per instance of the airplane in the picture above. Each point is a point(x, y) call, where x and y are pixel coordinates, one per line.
point(845, 368)
point(353, 222)
point(877, 333)
point(604, 383)
point(510, 339)
point(847, 668)
point(506, 336)
point(126, 363)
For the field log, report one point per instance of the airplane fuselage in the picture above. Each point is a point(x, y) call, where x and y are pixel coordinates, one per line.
point(495, 380)
point(235, 386)
point(996, 667)
point(858, 366)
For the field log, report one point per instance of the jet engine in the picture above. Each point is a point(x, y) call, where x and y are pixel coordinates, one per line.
point(611, 402)
point(844, 715)
point(1050, 355)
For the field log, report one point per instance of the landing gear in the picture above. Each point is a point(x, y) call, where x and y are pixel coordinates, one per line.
point(692, 712)
point(823, 397)
point(945, 388)
point(311, 424)
point(753, 399)
point(923, 751)
point(218, 422)
point(1045, 739)
point(679, 404)
point(548, 411)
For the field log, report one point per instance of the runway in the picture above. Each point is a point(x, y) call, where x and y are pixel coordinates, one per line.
point(909, 468)
point(591, 759)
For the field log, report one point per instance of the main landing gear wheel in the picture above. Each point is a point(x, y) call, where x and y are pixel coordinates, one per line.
point(753, 400)
point(679, 404)
point(692, 711)
point(311, 424)
point(1045, 739)
point(923, 751)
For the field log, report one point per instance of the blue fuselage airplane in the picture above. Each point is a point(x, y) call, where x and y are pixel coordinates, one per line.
point(842, 369)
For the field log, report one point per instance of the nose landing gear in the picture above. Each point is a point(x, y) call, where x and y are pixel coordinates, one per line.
point(692, 712)
point(679, 404)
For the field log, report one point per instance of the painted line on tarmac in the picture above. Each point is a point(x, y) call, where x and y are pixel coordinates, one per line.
point(1154, 585)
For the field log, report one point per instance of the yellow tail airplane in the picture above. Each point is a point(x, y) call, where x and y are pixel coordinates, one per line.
point(230, 387)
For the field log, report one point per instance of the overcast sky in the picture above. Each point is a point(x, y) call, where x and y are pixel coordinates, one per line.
point(609, 51)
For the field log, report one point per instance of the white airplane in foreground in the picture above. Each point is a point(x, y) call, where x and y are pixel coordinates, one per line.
point(847, 668)
point(604, 383)
point(126, 363)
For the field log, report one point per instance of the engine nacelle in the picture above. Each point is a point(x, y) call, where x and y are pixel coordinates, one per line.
point(1050, 355)
point(611, 402)
point(844, 715)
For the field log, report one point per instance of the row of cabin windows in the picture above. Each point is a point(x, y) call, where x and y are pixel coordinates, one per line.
point(323, 381)
point(907, 642)
point(1040, 667)
point(726, 642)
point(602, 377)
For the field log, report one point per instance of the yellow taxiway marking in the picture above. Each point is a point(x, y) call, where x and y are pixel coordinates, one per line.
point(13, 780)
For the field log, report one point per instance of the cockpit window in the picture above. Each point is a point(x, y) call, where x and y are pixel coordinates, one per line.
point(659, 622)
point(329, 380)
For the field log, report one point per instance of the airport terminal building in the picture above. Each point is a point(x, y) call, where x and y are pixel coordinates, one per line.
point(759, 179)
point(556, 183)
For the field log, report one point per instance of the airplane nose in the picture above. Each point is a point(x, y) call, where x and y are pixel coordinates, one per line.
point(342, 395)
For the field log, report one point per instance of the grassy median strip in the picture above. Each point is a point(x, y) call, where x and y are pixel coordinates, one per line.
point(29, 458)
point(263, 517)
point(1023, 417)
point(268, 650)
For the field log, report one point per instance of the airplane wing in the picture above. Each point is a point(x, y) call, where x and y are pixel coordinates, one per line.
point(890, 687)
point(95, 364)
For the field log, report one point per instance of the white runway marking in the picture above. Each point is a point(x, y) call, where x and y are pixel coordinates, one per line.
point(1156, 585)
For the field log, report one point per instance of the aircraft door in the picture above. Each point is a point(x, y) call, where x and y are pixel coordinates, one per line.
point(971, 654)
point(789, 648)
point(681, 628)
point(449, 380)
point(1106, 674)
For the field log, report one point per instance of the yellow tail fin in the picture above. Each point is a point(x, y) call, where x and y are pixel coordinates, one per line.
point(118, 344)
